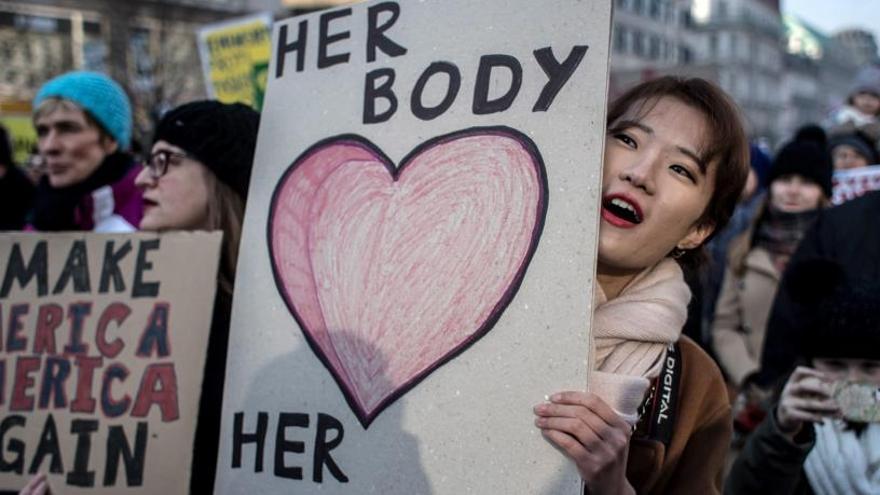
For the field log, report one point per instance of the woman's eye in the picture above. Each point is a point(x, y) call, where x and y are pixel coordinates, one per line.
point(626, 139)
point(682, 170)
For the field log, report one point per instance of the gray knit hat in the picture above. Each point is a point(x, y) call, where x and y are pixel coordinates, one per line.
point(867, 81)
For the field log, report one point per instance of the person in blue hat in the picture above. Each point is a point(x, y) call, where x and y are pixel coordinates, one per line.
point(84, 123)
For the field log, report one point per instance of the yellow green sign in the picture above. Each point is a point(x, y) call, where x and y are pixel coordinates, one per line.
point(21, 133)
point(235, 59)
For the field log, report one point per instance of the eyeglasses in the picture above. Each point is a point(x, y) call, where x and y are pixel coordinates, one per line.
point(158, 162)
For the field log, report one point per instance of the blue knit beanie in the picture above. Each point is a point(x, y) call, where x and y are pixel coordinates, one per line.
point(102, 97)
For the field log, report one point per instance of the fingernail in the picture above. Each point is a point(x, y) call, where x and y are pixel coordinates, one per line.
point(556, 397)
point(540, 422)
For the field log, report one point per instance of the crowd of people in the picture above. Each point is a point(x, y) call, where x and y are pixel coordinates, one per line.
point(691, 215)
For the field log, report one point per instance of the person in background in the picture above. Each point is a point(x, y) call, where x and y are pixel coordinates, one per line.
point(197, 178)
point(83, 122)
point(851, 150)
point(676, 160)
point(849, 235)
point(16, 190)
point(862, 108)
point(800, 184)
point(811, 443)
point(750, 201)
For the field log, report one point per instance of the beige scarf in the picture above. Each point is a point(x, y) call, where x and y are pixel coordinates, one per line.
point(631, 332)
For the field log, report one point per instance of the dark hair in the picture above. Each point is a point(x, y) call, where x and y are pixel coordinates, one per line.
point(726, 147)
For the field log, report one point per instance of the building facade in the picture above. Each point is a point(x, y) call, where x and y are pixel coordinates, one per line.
point(149, 46)
point(742, 41)
point(649, 37)
point(860, 43)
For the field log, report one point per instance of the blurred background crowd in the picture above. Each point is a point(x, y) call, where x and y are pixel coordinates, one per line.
point(98, 84)
point(781, 69)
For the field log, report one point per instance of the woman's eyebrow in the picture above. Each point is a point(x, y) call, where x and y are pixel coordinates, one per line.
point(695, 157)
point(629, 124)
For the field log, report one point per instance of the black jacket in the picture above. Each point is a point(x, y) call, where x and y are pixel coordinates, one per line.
point(16, 198)
point(849, 235)
point(770, 463)
point(207, 442)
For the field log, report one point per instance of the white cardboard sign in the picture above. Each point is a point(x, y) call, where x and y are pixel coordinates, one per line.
point(418, 253)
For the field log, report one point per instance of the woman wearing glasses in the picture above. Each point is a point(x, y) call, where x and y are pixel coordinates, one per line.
point(198, 173)
point(197, 178)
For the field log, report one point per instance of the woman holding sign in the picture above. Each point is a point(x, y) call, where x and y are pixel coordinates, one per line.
point(657, 418)
point(197, 178)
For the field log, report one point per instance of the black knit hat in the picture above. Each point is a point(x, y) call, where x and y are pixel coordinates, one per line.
point(844, 312)
point(805, 158)
point(222, 136)
point(813, 133)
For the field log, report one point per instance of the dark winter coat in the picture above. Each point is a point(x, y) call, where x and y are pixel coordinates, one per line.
point(207, 442)
point(771, 463)
point(16, 197)
point(691, 456)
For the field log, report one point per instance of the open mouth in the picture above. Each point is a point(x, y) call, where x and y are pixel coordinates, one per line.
point(622, 209)
point(148, 203)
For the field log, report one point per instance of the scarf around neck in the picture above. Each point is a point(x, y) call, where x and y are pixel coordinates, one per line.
point(55, 209)
point(781, 232)
point(842, 462)
point(631, 333)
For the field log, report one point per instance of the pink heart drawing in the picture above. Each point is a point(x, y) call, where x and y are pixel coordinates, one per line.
point(391, 273)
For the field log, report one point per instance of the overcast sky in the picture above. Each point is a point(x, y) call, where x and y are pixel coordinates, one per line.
point(833, 15)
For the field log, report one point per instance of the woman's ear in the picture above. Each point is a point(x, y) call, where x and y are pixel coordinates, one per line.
point(697, 235)
point(108, 144)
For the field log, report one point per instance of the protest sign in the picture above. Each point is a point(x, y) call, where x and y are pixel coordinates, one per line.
point(852, 183)
point(16, 117)
point(419, 248)
point(101, 358)
point(235, 58)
